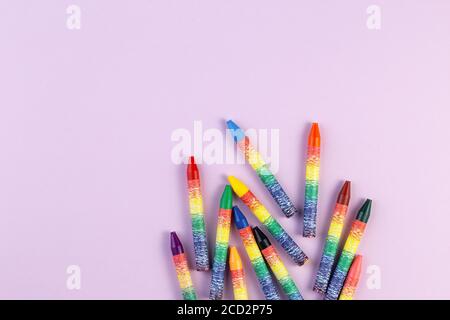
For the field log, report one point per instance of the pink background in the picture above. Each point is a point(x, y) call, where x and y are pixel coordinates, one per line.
point(86, 117)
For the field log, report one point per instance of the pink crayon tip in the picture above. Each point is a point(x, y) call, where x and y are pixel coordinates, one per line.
point(355, 269)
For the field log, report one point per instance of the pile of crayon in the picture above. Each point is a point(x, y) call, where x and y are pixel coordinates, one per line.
point(337, 275)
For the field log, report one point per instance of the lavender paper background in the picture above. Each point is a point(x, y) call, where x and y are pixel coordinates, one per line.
point(86, 116)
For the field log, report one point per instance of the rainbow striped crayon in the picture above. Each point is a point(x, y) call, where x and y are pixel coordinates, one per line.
point(237, 275)
point(262, 273)
point(350, 247)
point(181, 267)
point(351, 282)
point(272, 225)
point(197, 217)
point(279, 270)
point(332, 241)
point(222, 237)
point(262, 169)
point(312, 182)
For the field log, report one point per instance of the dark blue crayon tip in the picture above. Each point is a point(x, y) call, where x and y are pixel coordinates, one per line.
point(175, 244)
point(237, 132)
point(239, 219)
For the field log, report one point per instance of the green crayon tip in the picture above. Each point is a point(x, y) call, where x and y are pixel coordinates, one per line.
point(364, 213)
point(226, 202)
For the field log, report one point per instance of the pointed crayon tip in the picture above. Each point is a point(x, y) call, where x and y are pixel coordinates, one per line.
point(344, 194)
point(261, 239)
point(358, 260)
point(238, 186)
point(236, 131)
point(314, 135)
point(364, 212)
point(355, 269)
point(175, 244)
point(192, 169)
point(235, 259)
point(231, 125)
point(239, 219)
point(226, 201)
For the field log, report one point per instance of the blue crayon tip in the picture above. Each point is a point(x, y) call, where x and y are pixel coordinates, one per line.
point(237, 132)
point(239, 219)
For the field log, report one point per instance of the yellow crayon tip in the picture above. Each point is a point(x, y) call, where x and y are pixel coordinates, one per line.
point(235, 259)
point(238, 186)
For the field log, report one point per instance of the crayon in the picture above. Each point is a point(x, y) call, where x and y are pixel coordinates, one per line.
point(181, 268)
point(276, 265)
point(332, 241)
point(262, 169)
point(350, 247)
point(221, 252)
point(259, 266)
point(237, 275)
point(197, 217)
point(351, 282)
point(272, 225)
point(311, 182)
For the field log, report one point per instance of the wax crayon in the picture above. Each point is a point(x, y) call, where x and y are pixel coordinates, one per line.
point(311, 182)
point(197, 217)
point(262, 169)
point(272, 225)
point(181, 268)
point(237, 275)
point(348, 253)
point(272, 258)
point(222, 237)
point(259, 266)
point(332, 241)
point(351, 282)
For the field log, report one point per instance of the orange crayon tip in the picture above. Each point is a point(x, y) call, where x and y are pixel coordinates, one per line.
point(314, 135)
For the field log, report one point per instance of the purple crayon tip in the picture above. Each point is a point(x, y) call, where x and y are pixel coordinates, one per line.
point(175, 244)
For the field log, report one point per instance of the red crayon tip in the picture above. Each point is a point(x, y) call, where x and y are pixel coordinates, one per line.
point(192, 170)
point(314, 135)
point(355, 269)
point(344, 194)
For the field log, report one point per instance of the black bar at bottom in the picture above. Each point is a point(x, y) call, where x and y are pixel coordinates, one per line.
point(203, 309)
